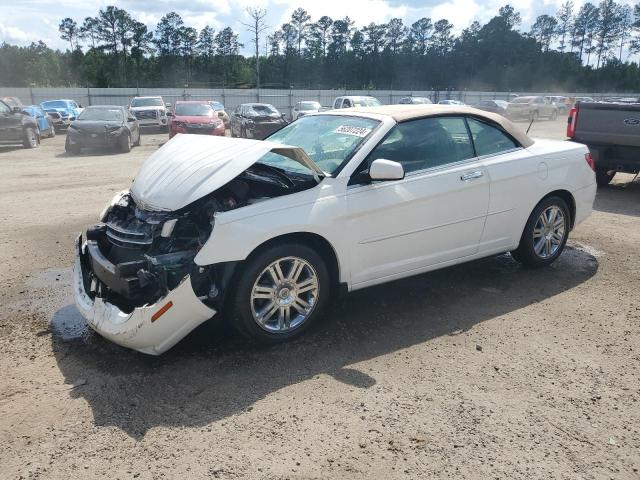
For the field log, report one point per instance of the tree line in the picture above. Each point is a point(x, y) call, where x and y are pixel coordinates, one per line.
point(590, 48)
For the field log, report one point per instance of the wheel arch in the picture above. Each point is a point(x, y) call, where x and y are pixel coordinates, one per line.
point(567, 196)
point(319, 243)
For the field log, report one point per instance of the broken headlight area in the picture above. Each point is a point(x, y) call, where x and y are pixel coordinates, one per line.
point(135, 256)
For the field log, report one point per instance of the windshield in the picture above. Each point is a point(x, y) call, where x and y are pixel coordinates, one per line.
point(217, 105)
point(194, 110)
point(501, 103)
point(521, 100)
point(262, 110)
point(101, 114)
point(421, 100)
point(366, 102)
point(147, 102)
point(307, 106)
point(329, 140)
point(55, 104)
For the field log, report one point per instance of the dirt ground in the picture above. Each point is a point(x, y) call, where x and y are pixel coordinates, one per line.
point(484, 370)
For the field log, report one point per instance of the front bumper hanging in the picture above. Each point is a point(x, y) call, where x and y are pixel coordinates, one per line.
point(151, 329)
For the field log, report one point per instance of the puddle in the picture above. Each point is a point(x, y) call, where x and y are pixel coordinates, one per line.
point(68, 325)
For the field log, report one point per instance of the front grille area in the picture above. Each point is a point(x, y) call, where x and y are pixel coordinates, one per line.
point(146, 114)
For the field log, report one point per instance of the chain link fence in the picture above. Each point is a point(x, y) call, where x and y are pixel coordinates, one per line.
point(283, 99)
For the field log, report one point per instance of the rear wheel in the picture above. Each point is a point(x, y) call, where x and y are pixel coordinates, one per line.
point(279, 293)
point(545, 233)
point(52, 133)
point(31, 138)
point(603, 177)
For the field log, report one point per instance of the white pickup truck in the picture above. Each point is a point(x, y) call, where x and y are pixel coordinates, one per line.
point(150, 111)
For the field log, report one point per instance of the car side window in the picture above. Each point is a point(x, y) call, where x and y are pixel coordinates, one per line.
point(489, 140)
point(426, 143)
point(336, 104)
point(346, 103)
point(4, 108)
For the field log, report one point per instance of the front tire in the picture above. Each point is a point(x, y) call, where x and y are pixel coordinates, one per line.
point(279, 293)
point(125, 143)
point(603, 178)
point(31, 138)
point(545, 233)
point(71, 149)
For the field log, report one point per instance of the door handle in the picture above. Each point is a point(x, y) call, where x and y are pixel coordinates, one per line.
point(465, 177)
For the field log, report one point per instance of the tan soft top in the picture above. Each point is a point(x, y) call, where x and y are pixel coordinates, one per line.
point(403, 113)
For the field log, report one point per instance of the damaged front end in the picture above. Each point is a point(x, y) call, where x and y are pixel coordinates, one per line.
point(136, 280)
point(136, 263)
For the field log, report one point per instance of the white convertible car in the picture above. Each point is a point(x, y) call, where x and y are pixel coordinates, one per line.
point(268, 232)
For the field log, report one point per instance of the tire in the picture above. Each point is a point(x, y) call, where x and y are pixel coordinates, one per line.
point(533, 116)
point(137, 142)
point(243, 132)
point(31, 139)
point(52, 134)
point(554, 115)
point(125, 143)
point(531, 252)
point(244, 310)
point(71, 149)
point(603, 178)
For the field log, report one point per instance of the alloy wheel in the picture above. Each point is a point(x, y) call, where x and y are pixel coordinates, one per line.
point(284, 295)
point(549, 231)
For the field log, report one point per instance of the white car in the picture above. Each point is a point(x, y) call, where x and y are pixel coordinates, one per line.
point(305, 108)
point(150, 111)
point(350, 101)
point(269, 231)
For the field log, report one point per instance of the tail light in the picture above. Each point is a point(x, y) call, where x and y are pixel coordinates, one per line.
point(571, 122)
point(589, 159)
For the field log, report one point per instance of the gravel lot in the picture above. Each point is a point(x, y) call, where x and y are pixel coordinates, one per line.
point(484, 370)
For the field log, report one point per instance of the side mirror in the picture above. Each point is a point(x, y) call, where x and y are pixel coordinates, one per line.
point(16, 110)
point(221, 114)
point(168, 104)
point(382, 170)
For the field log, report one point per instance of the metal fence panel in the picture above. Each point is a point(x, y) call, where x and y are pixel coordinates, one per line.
point(283, 99)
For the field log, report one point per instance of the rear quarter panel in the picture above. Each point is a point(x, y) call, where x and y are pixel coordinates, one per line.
point(519, 180)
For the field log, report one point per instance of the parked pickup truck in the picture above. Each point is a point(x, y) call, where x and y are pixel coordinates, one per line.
point(612, 133)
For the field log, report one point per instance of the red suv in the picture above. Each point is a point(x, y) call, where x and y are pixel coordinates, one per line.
point(195, 117)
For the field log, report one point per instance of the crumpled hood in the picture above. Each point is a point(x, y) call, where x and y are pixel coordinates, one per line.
point(188, 167)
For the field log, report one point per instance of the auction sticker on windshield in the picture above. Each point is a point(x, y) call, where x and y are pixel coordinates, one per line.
point(355, 131)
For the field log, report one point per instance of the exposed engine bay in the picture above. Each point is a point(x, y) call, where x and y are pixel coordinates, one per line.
point(135, 256)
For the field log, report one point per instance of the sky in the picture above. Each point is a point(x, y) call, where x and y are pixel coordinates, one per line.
point(24, 21)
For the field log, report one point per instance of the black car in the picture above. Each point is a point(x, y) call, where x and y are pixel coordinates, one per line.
point(103, 126)
point(255, 120)
point(16, 127)
point(495, 106)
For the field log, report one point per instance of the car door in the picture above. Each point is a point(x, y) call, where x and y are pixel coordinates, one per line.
point(12, 124)
point(514, 174)
point(436, 214)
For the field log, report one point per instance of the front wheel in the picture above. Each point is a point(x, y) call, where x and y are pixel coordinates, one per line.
point(125, 143)
point(545, 233)
point(31, 138)
point(280, 293)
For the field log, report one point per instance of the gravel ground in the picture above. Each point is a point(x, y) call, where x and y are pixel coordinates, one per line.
point(484, 370)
